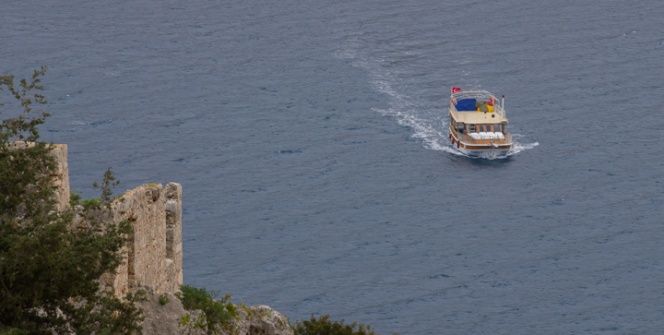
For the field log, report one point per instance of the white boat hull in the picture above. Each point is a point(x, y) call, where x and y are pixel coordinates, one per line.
point(489, 151)
point(485, 153)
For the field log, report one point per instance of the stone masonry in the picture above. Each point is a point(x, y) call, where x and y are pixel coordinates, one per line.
point(153, 256)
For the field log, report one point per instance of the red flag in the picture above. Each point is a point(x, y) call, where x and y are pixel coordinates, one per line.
point(456, 89)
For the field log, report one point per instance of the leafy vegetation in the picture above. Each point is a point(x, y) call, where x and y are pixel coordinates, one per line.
point(216, 315)
point(163, 299)
point(323, 325)
point(74, 199)
point(49, 266)
point(90, 203)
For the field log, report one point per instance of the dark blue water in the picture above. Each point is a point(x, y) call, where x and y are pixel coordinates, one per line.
point(310, 140)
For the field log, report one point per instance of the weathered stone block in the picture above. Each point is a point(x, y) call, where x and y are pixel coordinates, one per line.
point(153, 256)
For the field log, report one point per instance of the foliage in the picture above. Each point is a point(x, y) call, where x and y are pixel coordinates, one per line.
point(91, 203)
point(106, 187)
point(23, 177)
point(163, 299)
point(216, 314)
point(74, 199)
point(105, 314)
point(49, 266)
point(193, 323)
point(323, 325)
point(12, 331)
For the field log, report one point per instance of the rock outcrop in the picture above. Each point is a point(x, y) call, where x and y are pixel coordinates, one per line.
point(164, 318)
point(262, 320)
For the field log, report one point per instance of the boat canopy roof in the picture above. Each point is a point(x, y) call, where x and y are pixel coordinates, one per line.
point(477, 117)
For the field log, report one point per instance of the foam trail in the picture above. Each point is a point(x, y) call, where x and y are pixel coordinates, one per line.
point(428, 125)
point(518, 147)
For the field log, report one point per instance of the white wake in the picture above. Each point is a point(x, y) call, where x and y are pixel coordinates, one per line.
point(429, 126)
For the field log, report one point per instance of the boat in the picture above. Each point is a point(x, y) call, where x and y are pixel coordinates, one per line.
point(478, 124)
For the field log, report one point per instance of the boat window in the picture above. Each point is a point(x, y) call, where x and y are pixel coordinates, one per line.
point(472, 128)
point(497, 128)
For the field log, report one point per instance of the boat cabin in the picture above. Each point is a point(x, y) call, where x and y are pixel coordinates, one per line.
point(478, 121)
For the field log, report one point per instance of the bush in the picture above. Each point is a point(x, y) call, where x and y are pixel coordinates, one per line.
point(323, 325)
point(217, 314)
point(91, 203)
point(163, 299)
point(74, 199)
point(49, 268)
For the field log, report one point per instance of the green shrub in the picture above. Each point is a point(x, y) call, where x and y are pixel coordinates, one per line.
point(323, 325)
point(74, 199)
point(163, 299)
point(91, 203)
point(13, 331)
point(217, 314)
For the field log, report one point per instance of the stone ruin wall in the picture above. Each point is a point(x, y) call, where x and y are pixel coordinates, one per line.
point(59, 152)
point(62, 182)
point(153, 256)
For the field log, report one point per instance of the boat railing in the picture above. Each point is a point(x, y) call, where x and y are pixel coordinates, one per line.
point(470, 140)
point(480, 95)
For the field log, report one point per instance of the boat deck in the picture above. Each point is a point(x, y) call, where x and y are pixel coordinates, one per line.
point(463, 108)
point(481, 121)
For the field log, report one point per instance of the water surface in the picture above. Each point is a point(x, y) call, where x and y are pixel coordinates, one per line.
point(310, 141)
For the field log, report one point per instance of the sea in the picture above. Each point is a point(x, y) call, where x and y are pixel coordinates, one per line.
point(310, 138)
